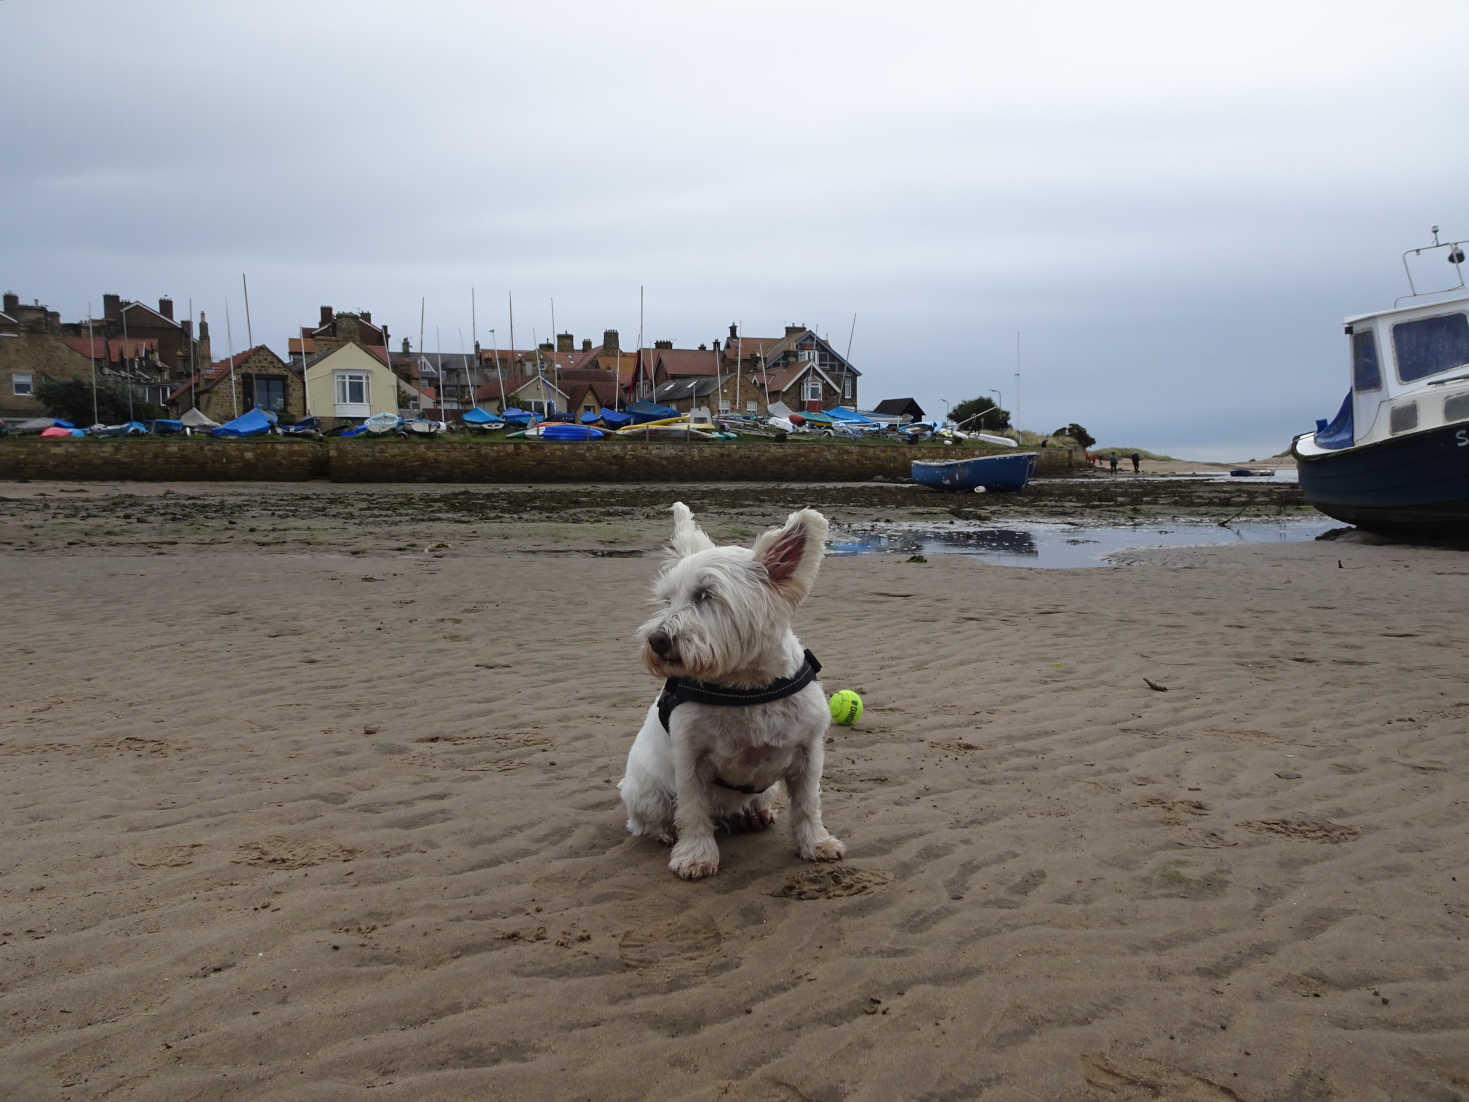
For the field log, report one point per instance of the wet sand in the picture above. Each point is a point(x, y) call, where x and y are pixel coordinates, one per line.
point(310, 791)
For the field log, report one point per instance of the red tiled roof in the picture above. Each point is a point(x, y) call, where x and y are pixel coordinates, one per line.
point(684, 362)
point(116, 350)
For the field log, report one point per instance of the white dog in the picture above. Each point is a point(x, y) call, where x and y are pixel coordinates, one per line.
point(741, 709)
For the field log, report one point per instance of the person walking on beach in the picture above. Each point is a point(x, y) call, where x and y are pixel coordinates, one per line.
point(1136, 462)
point(1114, 462)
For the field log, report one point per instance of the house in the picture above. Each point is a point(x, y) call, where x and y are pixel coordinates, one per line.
point(254, 378)
point(898, 411)
point(348, 382)
point(800, 368)
point(445, 379)
point(536, 393)
point(587, 390)
point(33, 350)
point(38, 345)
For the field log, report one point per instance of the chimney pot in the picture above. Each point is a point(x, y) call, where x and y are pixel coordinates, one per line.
point(165, 307)
point(734, 334)
point(12, 303)
point(586, 344)
point(326, 315)
point(610, 340)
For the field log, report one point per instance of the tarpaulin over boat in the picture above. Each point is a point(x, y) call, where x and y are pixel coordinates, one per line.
point(196, 420)
point(1338, 434)
point(650, 411)
point(477, 416)
point(254, 423)
point(614, 417)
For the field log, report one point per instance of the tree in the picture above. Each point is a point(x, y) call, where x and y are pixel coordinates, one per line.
point(972, 408)
point(71, 400)
point(1077, 433)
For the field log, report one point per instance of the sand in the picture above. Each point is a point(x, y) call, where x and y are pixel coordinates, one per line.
point(334, 816)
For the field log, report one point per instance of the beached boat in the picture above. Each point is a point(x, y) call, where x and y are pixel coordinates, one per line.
point(989, 472)
point(1395, 458)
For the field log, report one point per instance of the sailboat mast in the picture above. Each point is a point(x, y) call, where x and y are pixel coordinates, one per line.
point(92, 355)
point(1016, 421)
point(124, 358)
point(229, 336)
point(193, 358)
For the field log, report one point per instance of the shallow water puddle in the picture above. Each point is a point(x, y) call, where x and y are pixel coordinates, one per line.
point(1067, 546)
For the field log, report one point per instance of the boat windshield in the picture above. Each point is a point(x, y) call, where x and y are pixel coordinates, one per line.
point(1429, 345)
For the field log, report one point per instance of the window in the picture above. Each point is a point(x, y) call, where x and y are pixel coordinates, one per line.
point(1365, 373)
point(813, 389)
point(809, 356)
point(351, 388)
point(1402, 418)
point(1430, 345)
point(539, 407)
point(724, 405)
point(20, 383)
point(1456, 408)
point(847, 387)
point(752, 407)
point(270, 392)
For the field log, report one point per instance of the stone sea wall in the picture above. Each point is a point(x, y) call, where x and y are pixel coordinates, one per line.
point(412, 460)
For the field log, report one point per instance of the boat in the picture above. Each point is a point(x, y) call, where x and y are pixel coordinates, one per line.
point(482, 419)
point(994, 473)
point(1246, 472)
point(255, 422)
point(1395, 458)
point(382, 422)
point(562, 431)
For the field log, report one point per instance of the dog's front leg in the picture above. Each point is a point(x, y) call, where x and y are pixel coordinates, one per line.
point(803, 782)
point(695, 854)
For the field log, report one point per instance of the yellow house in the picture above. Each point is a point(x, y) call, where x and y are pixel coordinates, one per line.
point(350, 382)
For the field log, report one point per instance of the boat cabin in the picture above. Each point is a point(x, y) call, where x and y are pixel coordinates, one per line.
point(1410, 373)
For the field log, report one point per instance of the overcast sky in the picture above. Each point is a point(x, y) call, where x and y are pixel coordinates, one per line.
point(1173, 204)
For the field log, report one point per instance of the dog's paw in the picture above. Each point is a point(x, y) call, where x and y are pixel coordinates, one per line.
point(824, 849)
point(695, 860)
point(753, 817)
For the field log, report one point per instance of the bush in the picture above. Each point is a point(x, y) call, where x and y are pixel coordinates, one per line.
point(1077, 433)
point(71, 400)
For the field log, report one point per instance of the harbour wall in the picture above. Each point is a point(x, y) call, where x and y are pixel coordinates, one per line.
point(202, 459)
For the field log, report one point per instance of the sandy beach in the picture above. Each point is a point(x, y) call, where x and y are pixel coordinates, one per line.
point(308, 797)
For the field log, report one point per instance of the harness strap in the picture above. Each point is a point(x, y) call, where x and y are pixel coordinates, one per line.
point(681, 690)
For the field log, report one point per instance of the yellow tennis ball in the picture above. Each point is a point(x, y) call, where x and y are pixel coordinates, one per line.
point(846, 707)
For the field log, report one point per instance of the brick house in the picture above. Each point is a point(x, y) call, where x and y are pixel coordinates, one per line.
point(32, 350)
point(800, 368)
point(254, 378)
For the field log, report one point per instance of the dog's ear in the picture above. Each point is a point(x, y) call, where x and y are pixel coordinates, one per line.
point(688, 537)
point(791, 554)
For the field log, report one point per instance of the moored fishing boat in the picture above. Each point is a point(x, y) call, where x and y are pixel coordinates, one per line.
point(1396, 456)
point(994, 473)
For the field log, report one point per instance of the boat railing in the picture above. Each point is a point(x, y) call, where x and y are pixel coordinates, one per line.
point(1455, 258)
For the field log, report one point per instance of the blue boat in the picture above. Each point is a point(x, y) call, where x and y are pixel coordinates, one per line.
point(477, 418)
point(558, 430)
point(614, 418)
point(994, 473)
point(256, 422)
point(1395, 458)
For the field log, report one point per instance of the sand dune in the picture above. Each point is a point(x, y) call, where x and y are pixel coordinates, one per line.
point(300, 823)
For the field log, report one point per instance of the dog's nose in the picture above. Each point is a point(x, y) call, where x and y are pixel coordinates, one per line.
point(660, 643)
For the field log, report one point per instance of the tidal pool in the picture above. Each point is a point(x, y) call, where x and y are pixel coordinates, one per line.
point(1067, 546)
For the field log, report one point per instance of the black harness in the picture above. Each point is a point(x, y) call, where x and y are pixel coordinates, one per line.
point(682, 690)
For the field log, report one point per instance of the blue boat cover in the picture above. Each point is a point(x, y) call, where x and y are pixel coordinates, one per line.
point(1338, 434)
point(254, 423)
point(590, 417)
point(60, 424)
point(649, 411)
point(517, 416)
point(477, 416)
point(163, 427)
point(842, 413)
point(614, 417)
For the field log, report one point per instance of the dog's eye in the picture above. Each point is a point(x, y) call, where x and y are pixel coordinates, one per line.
point(700, 596)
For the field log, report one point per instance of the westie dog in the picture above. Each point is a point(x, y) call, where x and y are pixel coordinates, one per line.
point(741, 710)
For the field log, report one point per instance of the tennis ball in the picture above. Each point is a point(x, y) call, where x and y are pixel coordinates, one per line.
point(846, 707)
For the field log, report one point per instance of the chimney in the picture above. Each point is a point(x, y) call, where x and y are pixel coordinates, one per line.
point(734, 333)
point(663, 344)
point(204, 360)
point(586, 344)
point(165, 307)
point(326, 315)
point(795, 330)
point(111, 307)
point(12, 303)
point(407, 348)
point(610, 341)
point(366, 316)
point(703, 348)
point(563, 342)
